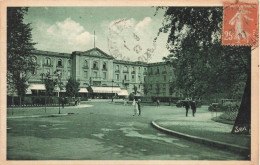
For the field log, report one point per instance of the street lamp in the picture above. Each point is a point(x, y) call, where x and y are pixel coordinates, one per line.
point(112, 90)
point(42, 75)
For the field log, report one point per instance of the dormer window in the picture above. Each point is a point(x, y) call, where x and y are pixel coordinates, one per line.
point(47, 61)
point(59, 62)
point(117, 67)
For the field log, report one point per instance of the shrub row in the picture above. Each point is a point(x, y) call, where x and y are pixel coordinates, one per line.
point(36, 100)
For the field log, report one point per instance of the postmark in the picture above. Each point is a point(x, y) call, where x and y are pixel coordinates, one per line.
point(124, 43)
point(240, 24)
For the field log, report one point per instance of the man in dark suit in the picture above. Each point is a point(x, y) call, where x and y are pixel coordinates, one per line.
point(186, 104)
point(139, 106)
point(193, 107)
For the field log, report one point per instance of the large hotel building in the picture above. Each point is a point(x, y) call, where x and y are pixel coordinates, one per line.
point(101, 75)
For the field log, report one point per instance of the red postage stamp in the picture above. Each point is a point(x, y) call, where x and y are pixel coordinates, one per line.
point(240, 24)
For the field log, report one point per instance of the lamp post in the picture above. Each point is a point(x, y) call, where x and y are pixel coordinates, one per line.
point(42, 74)
point(112, 90)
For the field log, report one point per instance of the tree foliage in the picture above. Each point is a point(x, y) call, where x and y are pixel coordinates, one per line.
point(19, 47)
point(72, 87)
point(50, 84)
point(203, 65)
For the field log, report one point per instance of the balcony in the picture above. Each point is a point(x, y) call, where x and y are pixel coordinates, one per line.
point(85, 67)
point(133, 72)
point(145, 72)
point(47, 65)
point(96, 78)
point(164, 72)
point(95, 68)
point(59, 66)
point(104, 69)
point(125, 71)
point(117, 71)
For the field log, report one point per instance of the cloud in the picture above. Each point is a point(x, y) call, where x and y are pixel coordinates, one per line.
point(65, 36)
point(146, 21)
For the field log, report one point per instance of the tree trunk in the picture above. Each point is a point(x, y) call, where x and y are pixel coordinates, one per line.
point(243, 121)
point(20, 100)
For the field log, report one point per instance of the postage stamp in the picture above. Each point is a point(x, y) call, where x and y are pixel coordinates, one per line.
point(240, 24)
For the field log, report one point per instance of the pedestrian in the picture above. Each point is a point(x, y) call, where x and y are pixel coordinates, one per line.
point(186, 104)
point(158, 102)
point(193, 107)
point(139, 106)
point(135, 107)
point(124, 101)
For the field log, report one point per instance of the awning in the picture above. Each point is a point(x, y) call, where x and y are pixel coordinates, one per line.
point(123, 93)
point(83, 90)
point(37, 87)
point(106, 89)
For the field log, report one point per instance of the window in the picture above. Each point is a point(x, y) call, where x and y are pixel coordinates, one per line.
point(117, 76)
point(139, 78)
point(95, 65)
point(125, 68)
point(104, 65)
point(133, 78)
point(158, 71)
point(95, 74)
point(164, 78)
point(85, 74)
point(59, 62)
point(68, 73)
point(69, 63)
point(85, 63)
point(125, 77)
point(139, 69)
point(47, 61)
point(104, 75)
point(117, 67)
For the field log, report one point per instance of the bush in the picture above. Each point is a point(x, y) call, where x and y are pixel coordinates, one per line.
point(131, 97)
point(27, 101)
point(230, 113)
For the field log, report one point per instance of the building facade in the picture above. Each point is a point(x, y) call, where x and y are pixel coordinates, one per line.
point(95, 68)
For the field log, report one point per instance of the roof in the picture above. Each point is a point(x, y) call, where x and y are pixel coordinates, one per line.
point(140, 63)
point(95, 52)
point(49, 53)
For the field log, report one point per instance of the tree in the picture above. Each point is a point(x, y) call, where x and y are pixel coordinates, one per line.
point(19, 48)
point(203, 65)
point(146, 88)
point(72, 87)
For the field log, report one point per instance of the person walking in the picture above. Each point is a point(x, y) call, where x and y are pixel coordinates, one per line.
point(193, 107)
point(139, 106)
point(187, 106)
point(124, 101)
point(158, 102)
point(135, 107)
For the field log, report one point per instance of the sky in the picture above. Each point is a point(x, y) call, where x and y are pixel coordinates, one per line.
point(127, 33)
